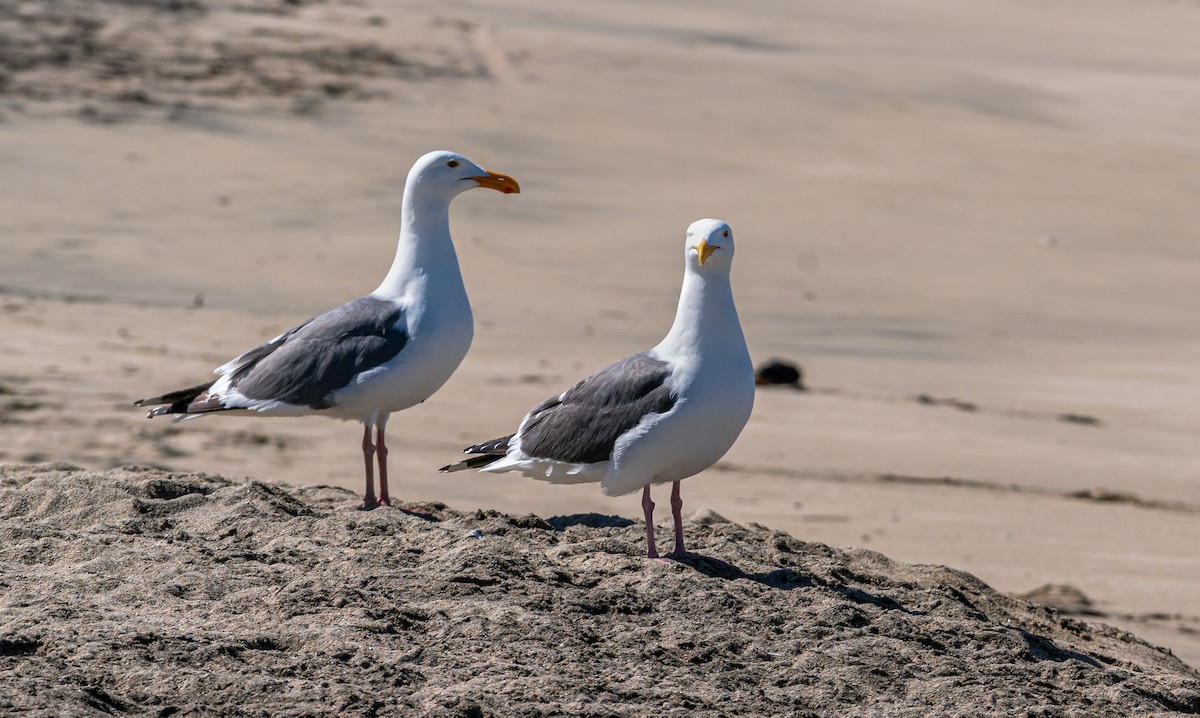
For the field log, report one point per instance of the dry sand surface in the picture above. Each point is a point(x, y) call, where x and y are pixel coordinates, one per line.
point(189, 594)
point(973, 224)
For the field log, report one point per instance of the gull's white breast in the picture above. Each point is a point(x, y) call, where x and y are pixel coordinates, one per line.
point(715, 401)
point(440, 328)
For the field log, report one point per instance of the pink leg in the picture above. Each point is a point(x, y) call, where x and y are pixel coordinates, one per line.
point(384, 499)
point(648, 508)
point(368, 459)
point(676, 508)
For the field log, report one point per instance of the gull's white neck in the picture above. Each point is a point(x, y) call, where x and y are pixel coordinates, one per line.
point(706, 321)
point(425, 255)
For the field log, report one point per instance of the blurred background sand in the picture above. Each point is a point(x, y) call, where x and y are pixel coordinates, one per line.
point(973, 225)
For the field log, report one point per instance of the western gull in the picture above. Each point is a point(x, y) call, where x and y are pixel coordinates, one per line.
point(378, 354)
point(657, 416)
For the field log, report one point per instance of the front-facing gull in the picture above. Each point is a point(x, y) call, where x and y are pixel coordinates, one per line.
point(658, 416)
point(378, 354)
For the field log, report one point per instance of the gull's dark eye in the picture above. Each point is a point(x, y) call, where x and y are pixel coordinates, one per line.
point(452, 163)
point(725, 233)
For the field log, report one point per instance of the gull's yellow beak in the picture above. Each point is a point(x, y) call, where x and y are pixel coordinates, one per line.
point(498, 182)
point(705, 250)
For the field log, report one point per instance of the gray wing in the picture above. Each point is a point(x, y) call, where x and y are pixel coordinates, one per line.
point(307, 364)
point(583, 425)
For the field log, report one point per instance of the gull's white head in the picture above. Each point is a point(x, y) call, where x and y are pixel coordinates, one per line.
point(709, 246)
point(448, 174)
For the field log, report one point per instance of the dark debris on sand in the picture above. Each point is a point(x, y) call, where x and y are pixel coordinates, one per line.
point(138, 591)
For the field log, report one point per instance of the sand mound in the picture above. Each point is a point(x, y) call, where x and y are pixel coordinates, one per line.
point(144, 592)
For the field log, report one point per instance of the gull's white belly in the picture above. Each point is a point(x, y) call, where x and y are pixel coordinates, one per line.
point(436, 348)
point(691, 437)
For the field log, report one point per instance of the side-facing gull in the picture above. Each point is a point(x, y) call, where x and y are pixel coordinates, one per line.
point(378, 354)
point(658, 416)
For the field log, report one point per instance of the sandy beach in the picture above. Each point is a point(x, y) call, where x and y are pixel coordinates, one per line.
point(142, 592)
point(973, 226)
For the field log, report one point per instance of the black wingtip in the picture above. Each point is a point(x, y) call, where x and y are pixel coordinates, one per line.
point(475, 462)
point(495, 446)
point(184, 401)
